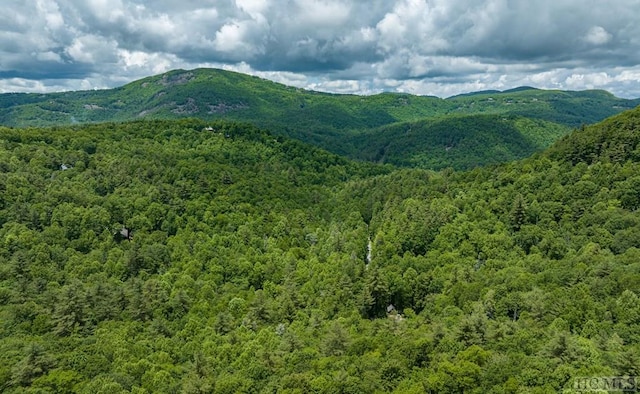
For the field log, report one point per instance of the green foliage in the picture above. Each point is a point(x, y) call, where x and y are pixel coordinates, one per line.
point(616, 140)
point(459, 142)
point(260, 264)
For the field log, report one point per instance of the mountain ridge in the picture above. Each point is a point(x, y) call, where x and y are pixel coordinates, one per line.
point(336, 122)
point(148, 91)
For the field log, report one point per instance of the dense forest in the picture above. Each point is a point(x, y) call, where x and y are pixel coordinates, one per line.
point(183, 256)
point(458, 142)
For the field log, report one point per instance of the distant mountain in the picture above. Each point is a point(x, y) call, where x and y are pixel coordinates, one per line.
point(213, 94)
point(569, 108)
point(343, 124)
point(520, 89)
point(480, 92)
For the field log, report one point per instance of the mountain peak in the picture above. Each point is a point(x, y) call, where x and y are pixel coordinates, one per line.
point(519, 89)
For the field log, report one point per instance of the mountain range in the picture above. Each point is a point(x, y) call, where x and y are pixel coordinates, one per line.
point(463, 131)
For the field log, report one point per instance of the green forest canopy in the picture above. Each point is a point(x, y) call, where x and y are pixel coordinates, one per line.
point(248, 267)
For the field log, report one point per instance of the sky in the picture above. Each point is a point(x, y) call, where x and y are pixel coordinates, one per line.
point(425, 47)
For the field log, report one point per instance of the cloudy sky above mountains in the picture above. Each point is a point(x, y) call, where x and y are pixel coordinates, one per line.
point(431, 47)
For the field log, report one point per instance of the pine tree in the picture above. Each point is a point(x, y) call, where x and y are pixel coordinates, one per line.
point(518, 212)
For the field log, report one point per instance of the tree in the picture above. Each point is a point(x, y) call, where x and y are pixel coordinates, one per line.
point(518, 212)
point(35, 363)
point(70, 311)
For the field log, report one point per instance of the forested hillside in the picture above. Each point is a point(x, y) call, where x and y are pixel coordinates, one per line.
point(192, 257)
point(359, 127)
point(459, 142)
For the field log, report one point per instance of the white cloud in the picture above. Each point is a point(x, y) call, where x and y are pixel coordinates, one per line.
point(255, 8)
point(92, 49)
point(77, 51)
point(341, 86)
point(437, 47)
point(322, 13)
point(140, 63)
point(232, 39)
point(108, 10)
point(48, 57)
point(597, 35)
point(52, 16)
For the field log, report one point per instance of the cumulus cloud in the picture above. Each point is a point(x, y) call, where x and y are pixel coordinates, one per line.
point(440, 47)
point(597, 35)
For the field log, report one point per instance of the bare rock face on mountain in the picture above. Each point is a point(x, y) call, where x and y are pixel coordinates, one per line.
point(189, 108)
point(222, 108)
point(176, 79)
